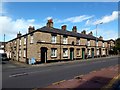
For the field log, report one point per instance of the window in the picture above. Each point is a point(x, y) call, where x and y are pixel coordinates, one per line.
point(64, 39)
point(53, 52)
point(88, 43)
point(103, 44)
point(103, 52)
point(78, 41)
point(78, 52)
point(24, 53)
point(97, 51)
point(19, 53)
point(31, 40)
point(24, 40)
point(53, 39)
point(65, 52)
point(20, 42)
point(97, 43)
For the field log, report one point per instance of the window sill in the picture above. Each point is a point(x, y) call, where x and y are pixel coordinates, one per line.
point(53, 56)
point(65, 56)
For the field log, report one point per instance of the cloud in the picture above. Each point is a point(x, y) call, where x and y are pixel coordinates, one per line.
point(11, 27)
point(107, 18)
point(75, 19)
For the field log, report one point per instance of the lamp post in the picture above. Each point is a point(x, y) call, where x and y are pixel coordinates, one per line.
point(96, 35)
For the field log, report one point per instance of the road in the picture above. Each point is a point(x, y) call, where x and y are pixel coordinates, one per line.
point(34, 77)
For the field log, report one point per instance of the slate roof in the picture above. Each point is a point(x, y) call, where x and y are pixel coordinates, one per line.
point(65, 32)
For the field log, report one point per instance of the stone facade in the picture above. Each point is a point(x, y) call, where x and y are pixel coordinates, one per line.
point(51, 46)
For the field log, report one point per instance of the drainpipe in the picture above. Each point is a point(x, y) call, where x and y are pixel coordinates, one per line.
point(26, 49)
point(60, 47)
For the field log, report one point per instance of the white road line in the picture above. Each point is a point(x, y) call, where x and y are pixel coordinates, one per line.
point(27, 73)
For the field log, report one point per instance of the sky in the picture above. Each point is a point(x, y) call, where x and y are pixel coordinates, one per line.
point(18, 16)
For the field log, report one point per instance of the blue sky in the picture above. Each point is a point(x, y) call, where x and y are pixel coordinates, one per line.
point(17, 16)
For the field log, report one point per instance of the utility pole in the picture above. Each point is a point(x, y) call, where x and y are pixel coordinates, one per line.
point(4, 43)
point(96, 37)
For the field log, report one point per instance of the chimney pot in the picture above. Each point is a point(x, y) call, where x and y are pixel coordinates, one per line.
point(19, 34)
point(50, 23)
point(83, 32)
point(31, 29)
point(74, 29)
point(64, 27)
point(91, 33)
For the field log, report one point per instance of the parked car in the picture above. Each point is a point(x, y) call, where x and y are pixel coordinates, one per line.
point(3, 57)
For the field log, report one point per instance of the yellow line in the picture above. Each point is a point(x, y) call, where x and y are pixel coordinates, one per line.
point(112, 82)
point(58, 82)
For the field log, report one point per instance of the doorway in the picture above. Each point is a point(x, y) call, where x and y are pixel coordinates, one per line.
point(43, 54)
point(71, 53)
point(83, 53)
point(92, 52)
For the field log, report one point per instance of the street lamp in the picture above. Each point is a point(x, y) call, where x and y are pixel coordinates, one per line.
point(96, 36)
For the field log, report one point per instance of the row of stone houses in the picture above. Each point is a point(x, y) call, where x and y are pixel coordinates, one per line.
point(51, 44)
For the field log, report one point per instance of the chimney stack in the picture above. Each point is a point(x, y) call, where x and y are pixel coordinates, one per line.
point(90, 33)
point(83, 32)
point(50, 23)
point(31, 29)
point(74, 29)
point(19, 34)
point(101, 38)
point(63, 27)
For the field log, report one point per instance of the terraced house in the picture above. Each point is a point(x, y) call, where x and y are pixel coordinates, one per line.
point(51, 44)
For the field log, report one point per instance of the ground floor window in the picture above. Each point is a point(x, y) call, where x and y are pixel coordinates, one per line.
point(53, 52)
point(97, 51)
point(65, 52)
point(24, 53)
point(89, 53)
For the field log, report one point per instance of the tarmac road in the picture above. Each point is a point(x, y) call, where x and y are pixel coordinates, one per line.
point(42, 76)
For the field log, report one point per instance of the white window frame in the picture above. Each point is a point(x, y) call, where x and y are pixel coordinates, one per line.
point(65, 40)
point(31, 39)
point(20, 53)
point(65, 52)
point(88, 43)
point(19, 41)
point(103, 44)
point(24, 53)
point(53, 52)
point(97, 51)
point(53, 39)
point(78, 41)
point(24, 40)
point(89, 52)
point(97, 43)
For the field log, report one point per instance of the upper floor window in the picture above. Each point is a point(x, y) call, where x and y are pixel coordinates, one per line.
point(20, 42)
point(24, 40)
point(97, 43)
point(78, 41)
point(88, 43)
point(103, 44)
point(65, 52)
point(53, 39)
point(24, 53)
point(53, 52)
point(31, 39)
point(64, 39)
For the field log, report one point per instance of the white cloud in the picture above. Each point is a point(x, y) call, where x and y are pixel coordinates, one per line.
point(75, 19)
point(47, 18)
point(11, 27)
point(107, 18)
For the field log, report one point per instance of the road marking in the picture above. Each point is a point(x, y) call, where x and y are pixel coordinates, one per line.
point(109, 85)
point(20, 74)
point(27, 73)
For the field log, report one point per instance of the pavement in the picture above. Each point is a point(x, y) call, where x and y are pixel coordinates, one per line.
point(102, 79)
point(57, 63)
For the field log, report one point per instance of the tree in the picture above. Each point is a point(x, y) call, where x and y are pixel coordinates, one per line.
point(117, 46)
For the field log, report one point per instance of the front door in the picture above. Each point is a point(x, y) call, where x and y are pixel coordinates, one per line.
point(100, 51)
point(43, 55)
point(71, 53)
point(92, 53)
point(83, 53)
